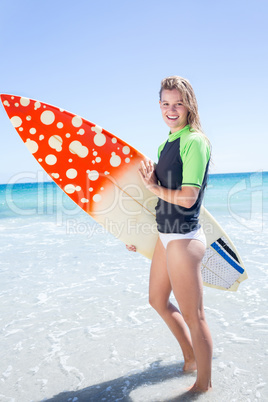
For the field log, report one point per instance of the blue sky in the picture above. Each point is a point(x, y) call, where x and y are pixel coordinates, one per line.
point(104, 60)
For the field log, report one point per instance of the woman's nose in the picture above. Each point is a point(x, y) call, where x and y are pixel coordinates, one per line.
point(172, 108)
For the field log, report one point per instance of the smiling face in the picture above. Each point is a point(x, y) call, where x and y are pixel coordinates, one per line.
point(173, 111)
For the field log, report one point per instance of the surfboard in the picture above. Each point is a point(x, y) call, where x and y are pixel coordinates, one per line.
point(99, 172)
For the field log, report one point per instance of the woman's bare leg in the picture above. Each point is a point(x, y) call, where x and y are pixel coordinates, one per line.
point(184, 267)
point(159, 292)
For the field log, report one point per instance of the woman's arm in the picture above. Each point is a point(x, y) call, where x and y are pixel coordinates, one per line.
point(185, 197)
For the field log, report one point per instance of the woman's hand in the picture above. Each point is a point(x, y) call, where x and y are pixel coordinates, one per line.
point(147, 174)
point(185, 196)
point(131, 248)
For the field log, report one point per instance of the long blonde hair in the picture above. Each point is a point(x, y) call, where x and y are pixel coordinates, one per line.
point(188, 97)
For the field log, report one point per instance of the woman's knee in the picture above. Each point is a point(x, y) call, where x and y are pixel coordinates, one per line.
point(193, 319)
point(153, 300)
point(158, 303)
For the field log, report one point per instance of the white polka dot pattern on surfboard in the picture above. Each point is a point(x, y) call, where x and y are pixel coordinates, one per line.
point(81, 157)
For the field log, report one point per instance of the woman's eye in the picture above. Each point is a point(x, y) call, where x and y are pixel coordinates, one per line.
point(165, 104)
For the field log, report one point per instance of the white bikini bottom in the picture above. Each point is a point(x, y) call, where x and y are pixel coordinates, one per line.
point(196, 234)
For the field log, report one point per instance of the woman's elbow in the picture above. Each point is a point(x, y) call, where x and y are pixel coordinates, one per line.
point(189, 204)
point(190, 196)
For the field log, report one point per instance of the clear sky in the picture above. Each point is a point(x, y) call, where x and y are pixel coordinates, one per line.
point(104, 60)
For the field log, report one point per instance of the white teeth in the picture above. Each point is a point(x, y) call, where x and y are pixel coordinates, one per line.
point(172, 117)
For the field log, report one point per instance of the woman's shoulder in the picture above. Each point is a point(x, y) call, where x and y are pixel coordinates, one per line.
point(195, 142)
point(161, 147)
point(195, 137)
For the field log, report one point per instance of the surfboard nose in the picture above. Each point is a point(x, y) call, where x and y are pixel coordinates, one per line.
point(7, 99)
point(4, 97)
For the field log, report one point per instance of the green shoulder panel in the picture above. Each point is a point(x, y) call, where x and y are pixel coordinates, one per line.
point(160, 148)
point(195, 154)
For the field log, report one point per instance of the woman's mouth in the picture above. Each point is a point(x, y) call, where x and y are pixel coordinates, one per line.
point(172, 117)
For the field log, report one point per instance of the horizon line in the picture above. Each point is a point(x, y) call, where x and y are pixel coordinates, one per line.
point(52, 181)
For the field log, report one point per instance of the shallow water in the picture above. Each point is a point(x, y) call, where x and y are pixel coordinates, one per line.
point(74, 314)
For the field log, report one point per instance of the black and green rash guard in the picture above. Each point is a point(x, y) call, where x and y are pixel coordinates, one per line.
point(183, 161)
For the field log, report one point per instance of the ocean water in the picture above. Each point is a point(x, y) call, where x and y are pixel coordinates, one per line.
point(74, 314)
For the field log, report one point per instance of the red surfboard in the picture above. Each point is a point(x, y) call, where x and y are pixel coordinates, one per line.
point(99, 172)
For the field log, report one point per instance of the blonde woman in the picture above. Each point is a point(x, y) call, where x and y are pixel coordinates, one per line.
point(179, 180)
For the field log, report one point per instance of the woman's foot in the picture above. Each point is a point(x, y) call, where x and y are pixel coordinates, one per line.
point(189, 366)
point(200, 389)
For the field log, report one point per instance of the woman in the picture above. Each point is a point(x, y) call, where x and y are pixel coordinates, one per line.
point(179, 180)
